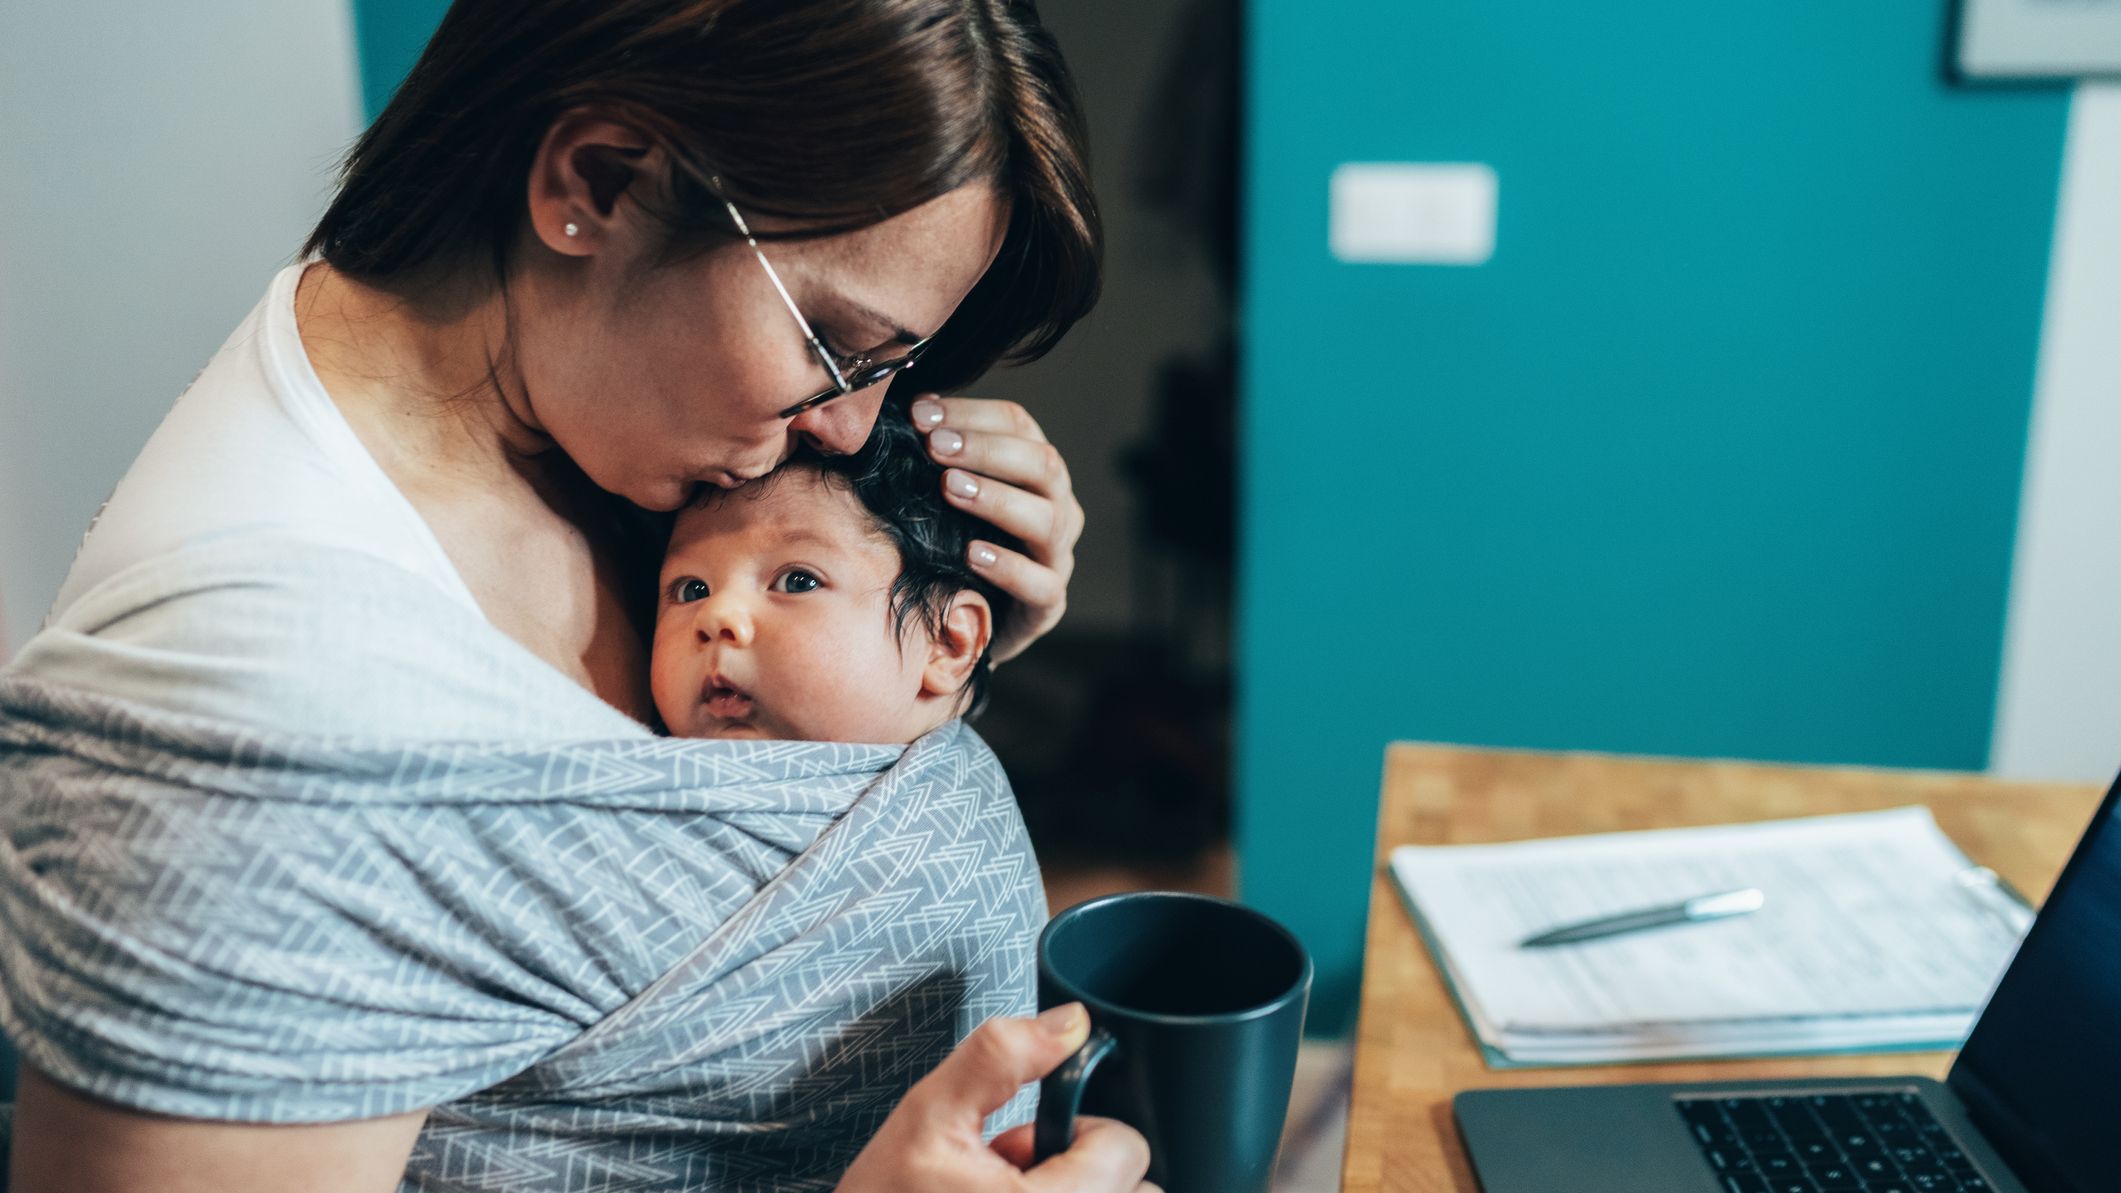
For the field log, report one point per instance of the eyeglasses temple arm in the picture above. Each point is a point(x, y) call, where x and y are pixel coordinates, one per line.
point(817, 346)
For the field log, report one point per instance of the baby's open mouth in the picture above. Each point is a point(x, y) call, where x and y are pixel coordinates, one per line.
point(724, 701)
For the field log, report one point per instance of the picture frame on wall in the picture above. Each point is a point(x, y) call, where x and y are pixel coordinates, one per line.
point(2035, 40)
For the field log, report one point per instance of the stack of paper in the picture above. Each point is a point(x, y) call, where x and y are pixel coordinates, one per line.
point(1877, 934)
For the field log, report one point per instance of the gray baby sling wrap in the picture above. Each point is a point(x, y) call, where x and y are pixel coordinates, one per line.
point(606, 960)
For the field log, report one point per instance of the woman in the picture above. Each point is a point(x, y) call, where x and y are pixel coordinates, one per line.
point(270, 856)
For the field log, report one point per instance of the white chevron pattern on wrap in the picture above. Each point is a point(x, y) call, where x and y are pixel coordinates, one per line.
point(643, 964)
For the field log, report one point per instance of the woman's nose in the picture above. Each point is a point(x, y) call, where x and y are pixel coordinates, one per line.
point(724, 618)
point(840, 427)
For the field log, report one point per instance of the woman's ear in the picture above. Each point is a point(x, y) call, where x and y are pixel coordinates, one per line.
point(967, 626)
point(585, 163)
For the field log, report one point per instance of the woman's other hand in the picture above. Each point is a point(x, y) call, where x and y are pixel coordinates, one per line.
point(1000, 468)
point(932, 1141)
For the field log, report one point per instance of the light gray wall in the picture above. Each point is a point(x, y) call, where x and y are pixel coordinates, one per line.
point(157, 163)
point(2058, 710)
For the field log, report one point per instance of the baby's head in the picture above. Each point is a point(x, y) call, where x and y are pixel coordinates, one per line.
point(828, 601)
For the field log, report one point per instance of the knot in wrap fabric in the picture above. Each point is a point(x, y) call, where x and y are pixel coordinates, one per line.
point(606, 960)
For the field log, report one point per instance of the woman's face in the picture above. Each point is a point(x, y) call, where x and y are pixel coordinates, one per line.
point(655, 380)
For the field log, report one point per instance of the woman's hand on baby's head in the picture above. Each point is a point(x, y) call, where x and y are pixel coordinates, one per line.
point(1000, 467)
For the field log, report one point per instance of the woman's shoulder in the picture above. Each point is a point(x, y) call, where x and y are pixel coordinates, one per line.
point(264, 628)
point(253, 443)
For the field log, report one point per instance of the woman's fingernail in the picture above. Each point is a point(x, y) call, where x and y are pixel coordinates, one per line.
point(983, 556)
point(946, 442)
point(1063, 1021)
point(962, 484)
point(927, 415)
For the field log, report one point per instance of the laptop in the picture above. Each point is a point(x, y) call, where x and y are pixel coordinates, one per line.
point(2032, 1104)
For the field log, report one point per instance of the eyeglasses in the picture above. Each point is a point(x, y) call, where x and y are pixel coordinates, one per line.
point(851, 376)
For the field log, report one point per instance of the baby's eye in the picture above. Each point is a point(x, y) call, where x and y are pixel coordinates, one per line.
point(797, 580)
point(687, 590)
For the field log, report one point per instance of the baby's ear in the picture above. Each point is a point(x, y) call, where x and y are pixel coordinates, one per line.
point(967, 626)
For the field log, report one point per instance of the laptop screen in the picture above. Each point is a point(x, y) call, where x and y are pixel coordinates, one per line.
point(2040, 1071)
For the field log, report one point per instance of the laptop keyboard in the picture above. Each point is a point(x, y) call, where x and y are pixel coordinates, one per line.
point(1883, 1142)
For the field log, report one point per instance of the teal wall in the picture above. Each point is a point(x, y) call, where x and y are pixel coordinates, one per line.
point(1719, 455)
point(388, 36)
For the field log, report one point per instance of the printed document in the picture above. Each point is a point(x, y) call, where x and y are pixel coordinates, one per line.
point(1877, 933)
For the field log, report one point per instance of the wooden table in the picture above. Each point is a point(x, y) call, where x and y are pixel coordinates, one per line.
point(1412, 1049)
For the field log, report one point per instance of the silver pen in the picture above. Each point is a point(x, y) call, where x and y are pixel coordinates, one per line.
point(1722, 905)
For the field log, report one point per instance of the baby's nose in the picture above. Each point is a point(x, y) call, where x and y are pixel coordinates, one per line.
point(723, 618)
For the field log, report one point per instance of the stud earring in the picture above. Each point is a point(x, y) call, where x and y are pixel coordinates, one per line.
point(572, 230)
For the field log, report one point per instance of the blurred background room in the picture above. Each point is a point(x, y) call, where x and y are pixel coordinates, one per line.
point(1706, 380)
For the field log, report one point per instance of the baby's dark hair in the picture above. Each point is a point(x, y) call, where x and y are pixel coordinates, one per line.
point(902, 489)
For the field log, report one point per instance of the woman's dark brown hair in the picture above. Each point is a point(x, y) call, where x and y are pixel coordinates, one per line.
point(836, 114)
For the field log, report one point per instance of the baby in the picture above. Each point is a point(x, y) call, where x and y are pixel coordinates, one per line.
point(831, 602)
point(828, 601)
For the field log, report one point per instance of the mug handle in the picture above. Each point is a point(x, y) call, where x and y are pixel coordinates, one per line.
point(1060, 1095)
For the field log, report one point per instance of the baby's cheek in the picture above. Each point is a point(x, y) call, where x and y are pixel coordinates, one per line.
point(825, 689)
point(668, 681)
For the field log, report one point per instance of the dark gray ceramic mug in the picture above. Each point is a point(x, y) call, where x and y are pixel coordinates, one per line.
point(1196, 1010)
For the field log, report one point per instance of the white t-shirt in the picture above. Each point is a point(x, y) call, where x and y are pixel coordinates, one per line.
point(257, 566)
point(256, 443)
